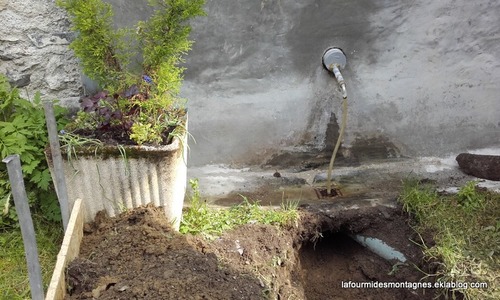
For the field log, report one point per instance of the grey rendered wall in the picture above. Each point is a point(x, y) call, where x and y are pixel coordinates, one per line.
point(34, 54)
point(422, 77)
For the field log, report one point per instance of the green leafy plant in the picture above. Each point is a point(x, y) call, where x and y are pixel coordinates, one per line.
point(469, 197)
point(23, 131)
point(134, 107)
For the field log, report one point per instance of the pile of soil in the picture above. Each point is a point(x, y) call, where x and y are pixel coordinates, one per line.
point(137, 256)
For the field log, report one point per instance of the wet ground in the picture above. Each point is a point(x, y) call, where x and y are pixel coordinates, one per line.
point(369, 183)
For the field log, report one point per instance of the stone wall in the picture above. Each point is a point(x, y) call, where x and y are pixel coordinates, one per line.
point(34, 54)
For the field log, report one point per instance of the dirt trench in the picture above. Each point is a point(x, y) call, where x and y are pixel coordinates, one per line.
point(137, 256)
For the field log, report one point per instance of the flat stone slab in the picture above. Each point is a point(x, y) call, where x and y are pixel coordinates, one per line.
point(481, 166)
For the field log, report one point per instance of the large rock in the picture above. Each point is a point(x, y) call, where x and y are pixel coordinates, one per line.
point(481, 166)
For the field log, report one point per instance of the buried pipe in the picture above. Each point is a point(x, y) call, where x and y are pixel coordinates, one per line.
point(379, 247)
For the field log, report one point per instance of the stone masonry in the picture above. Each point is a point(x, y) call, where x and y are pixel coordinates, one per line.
point(34, 54)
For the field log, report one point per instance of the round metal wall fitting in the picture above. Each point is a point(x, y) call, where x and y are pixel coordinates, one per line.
point(334, 55)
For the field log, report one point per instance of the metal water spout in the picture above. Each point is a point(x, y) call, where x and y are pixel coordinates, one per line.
point(334, 59)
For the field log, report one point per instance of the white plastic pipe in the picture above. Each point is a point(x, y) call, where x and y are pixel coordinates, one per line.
point(379, 247)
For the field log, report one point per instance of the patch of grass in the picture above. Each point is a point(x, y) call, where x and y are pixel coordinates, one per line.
point(466, 229)
point(14, 282)
point(211, 222)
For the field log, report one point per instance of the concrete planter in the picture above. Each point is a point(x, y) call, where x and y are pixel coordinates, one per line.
point(106, 179)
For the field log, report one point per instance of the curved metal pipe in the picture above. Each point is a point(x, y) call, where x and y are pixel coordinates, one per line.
point(340, 80)
point(334, 59)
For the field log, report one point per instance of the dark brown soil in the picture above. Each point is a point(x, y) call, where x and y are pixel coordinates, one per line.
point(118, 136)
point(322, 192)
point(110, 136)
point(137, 256)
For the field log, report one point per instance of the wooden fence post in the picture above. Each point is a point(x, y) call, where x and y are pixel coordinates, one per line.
point(55, 152)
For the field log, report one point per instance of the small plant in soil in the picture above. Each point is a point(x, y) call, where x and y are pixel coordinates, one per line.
point(133, 107)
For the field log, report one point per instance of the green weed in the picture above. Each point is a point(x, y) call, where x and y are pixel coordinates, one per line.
point(211, 222)
point(70, 142)
point(466, 231)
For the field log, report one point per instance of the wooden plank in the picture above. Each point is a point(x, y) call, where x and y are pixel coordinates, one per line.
point(70, 249)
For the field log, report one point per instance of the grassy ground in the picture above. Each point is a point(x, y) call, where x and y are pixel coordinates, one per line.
point(466, 229)
point(14, 283)
point(210, 222)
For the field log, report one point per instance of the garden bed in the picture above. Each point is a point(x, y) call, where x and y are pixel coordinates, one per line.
point(138, 256)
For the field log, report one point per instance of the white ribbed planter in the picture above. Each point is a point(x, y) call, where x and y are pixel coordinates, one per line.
point(104, 180)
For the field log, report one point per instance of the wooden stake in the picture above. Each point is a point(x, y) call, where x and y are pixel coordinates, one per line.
point(55, 151)
point(23, 212)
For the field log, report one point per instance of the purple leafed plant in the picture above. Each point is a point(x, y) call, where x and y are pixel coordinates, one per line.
point(106, 112)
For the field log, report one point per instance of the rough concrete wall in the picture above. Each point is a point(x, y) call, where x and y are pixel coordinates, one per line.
point(422, 76)
point(34, 54)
